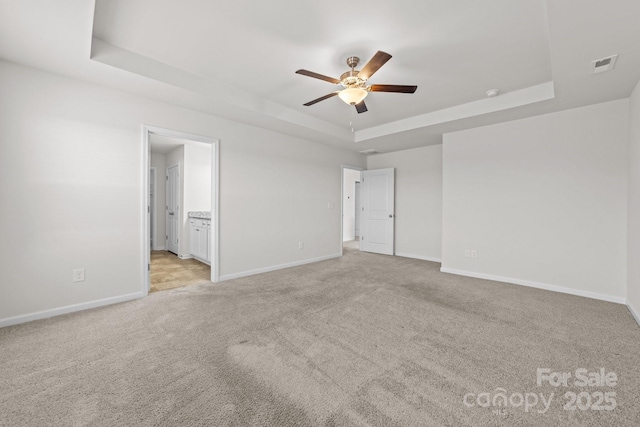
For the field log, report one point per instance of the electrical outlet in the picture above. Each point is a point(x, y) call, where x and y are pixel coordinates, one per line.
point(474, 253)
point(467, 253)
point(78, 275)
point(331, 205)
point(300, 245)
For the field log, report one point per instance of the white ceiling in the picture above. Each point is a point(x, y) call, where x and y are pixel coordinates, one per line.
point(163, 145)
point(237, 59)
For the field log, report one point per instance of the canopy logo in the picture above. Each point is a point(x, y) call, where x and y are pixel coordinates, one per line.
point(592, 400)
point(499, 399)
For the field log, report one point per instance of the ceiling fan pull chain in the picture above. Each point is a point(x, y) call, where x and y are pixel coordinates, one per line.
point(351, 121)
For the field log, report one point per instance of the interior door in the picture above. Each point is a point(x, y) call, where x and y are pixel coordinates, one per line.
point(377, 194)
point(173, 208)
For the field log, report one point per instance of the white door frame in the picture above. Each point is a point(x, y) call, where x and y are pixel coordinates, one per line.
point(343, 167)
point(145, 208)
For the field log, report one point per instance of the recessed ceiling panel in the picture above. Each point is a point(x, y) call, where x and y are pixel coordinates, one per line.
point(453, 50)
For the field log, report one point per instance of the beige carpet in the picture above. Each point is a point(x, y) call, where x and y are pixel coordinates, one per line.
point(361, 340)
point(351, 244)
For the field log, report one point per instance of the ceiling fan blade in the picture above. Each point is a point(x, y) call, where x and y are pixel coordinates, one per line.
point(374, 64)
point(322, 98)
point(318, 76)
point(393, 88)
point(361, 107)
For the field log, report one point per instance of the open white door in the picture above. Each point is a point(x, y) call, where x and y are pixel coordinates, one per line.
point(173, 208)
point(377, 191)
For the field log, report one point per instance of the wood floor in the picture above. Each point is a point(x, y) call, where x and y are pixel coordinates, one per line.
point(169, 272)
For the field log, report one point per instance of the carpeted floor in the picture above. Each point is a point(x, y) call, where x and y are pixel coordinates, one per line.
point(360, 340)
point(351, 244)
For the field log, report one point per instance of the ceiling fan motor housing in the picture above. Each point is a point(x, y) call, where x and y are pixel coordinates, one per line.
point(353, 61)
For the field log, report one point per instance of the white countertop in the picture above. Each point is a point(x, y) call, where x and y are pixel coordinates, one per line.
point(199, 214)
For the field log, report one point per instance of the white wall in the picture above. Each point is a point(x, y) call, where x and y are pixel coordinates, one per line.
point(349, 204)
point(176, 157)
point(197, 187)
point(71, 170)
point(633, 236)
point(542, 200)
point(159, 161)
point(197, 176)
point(418, 192)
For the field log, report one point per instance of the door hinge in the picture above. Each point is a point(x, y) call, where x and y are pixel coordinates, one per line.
point(166, 177)
point(148, 267)
point(148, 209)
point(166, 237)
point(177, 240)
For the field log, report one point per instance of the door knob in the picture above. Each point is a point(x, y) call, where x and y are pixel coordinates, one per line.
point(390, 215)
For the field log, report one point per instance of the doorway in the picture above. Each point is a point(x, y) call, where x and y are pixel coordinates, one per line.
point(374, 194)
point(179, 221)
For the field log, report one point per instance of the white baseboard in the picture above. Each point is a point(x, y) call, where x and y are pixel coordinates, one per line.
point(554, 288)
point(189, 256)
point(67, 309)
point(204, 261)
point(158, 248)
point(633, 313)
point(277, 267)
point(424, 258)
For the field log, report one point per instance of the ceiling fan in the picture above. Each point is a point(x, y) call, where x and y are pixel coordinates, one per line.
point(354, 82)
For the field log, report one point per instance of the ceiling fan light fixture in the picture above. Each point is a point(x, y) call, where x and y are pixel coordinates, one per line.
point(355, 82)
point(353, 96)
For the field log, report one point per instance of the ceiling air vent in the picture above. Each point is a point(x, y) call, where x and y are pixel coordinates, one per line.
point(370, 151)
point(602, 65)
